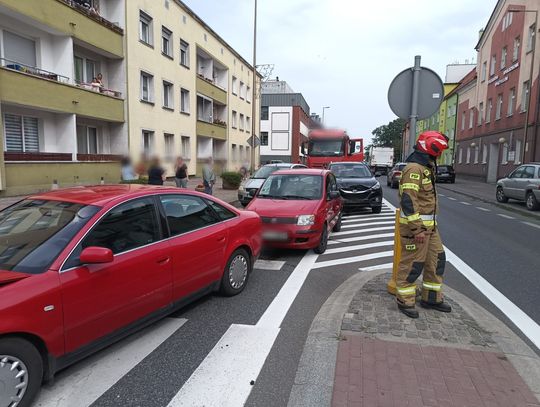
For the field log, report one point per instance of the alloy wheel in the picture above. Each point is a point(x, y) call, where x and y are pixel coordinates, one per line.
point(13, 380)
point(238, 271)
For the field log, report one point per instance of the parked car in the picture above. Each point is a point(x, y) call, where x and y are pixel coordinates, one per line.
point(523, 184)
point(357, 186)
point(394, 175)
point(299, 208)
point(84, 267)
point(445, 173)
point(249, 187)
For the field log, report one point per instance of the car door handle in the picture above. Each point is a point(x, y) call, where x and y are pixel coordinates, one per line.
point(164, 261)
point(221, 239)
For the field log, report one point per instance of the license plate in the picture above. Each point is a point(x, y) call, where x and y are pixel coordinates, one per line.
point(275, 236)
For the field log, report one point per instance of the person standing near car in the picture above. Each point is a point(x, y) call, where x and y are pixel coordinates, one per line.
point(181, 177)
point(421, 247)
point(209, 178)
point(156, 173)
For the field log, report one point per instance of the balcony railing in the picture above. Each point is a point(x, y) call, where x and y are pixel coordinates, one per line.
point(32, 70)
point(85, 7)
point(99, 88)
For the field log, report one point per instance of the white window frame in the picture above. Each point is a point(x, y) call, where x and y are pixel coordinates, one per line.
point(23, 136)
point(248, 124)
point(504, 55)
point(492, 65)
point(498, 108)
point(504, 158)
point(460, 155)
point(242, 90)
point(151, 141)
point(185, 101)
point(531, 37)
point(471, 118)
point(234, 119)
point(248, 94)
point(186, 147)
point(241, 122)
point(87, 135)
point(484, 71)
point(235, 85)
point(168, 93)
point(468, 155)
point(525, 96)
point(184, 53)
point(489, 110)
point(167, 35)
point(517, 159)
point(511, 102)
point(168, 149)
point(476, 154)
point(515, 52)
point(150, 87)
point(480, 113)
point(463, 120)
point(484, 153)
point(146, 19)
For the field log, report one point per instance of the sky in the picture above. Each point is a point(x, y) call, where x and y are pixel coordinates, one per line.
point(345, 53)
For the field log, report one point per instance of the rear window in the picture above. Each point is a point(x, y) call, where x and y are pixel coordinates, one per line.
point(34, 232)
point(401, 167)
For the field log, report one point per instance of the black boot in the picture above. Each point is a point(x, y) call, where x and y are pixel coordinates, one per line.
point(411, 312)
point(441, 306)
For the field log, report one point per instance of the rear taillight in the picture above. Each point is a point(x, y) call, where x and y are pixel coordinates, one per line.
point(397, 173)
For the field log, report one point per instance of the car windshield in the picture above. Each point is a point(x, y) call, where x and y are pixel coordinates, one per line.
point(350, 171)
point(401, 167)
point(293, 187)
point(34, 232)
point(325, 148)
point(264, 172)
point(442, 169)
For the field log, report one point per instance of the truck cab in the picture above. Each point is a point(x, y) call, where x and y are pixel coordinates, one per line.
point(326, 146)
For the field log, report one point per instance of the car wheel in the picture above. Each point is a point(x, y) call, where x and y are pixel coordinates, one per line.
point(236, 273)
point(532, 202)
point(323, 243)
point(501, 197)
point(387, 182)
point(337, 226)
point(453, 181)
point(376, 209)
point(21, 372)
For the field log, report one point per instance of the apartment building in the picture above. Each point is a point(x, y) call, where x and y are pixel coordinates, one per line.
point(498, 118)
point(189, 92)
point(58, 121)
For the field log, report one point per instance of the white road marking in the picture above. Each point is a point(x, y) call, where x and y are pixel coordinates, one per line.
point(224, 377)
point(273, 265)
point(534, 225)
point(360, 238)
point(359, 247)
point(390, 222)
point(505, 216)
point(452, 199)
point(354, 259)
point(465, 203)
point(378, 267)
point(483, 209)
point(347, 220)
point(442, 195)
point(354, 232)
point(85, 382)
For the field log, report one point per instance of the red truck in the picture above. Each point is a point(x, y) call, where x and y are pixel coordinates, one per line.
point(325, 146)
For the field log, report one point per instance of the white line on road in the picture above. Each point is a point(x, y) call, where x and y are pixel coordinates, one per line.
point(505, 216)
point(377, 267)
point(483, 209)
point(359, 247)
point(383, 223)
point(347, 260)
point(465, 203)
point(273, 265)
point(441, 195)
point(534, 225)
point(360, 238)
point(85, 382)
point(386, 217)
point(452, 199)
point(354, 232)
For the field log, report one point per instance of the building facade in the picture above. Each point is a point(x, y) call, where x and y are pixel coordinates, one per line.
point(190, 93)
point(285, 123)
point(499, 118)
point(62, 91)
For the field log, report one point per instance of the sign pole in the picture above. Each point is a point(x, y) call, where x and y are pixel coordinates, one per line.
point(414, 103)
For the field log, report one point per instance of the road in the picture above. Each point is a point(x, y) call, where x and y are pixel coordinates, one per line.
point(230, 351)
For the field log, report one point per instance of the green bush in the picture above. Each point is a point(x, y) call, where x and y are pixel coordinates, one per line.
point(231, 179)
point(142, 181)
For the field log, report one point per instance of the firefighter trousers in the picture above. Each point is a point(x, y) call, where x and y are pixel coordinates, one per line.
point(427, 258)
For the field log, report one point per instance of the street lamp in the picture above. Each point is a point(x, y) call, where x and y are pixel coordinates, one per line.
point(527, 114)
point(323, 109)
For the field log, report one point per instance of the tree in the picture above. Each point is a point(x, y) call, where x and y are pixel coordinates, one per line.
point(390, 135)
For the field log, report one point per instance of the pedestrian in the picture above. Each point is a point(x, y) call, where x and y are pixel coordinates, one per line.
point(421, 247)
point(156, 173)
point(181, 173)
point(128, 172)
point(209, 178)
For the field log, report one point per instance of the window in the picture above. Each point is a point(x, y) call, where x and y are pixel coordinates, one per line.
point(476, 153)
point(504, 159)
point(241, 153)
point(87, 140)
point(168, 95)
point(499, 107)
point(515, 52)
point(525, 96)
point(145, 28)
point(148, 142)
point(492, 65)
point(222, 213)
point(205, 109)
point(471, 119)
point(460, 154)
point(169, 146)
point(248, 124)
point(22, 133)
point(241, 122)
point(147, 87)
point(480, 113)
point(468, 155)
point(247, 153)
point(234, 119)
point(489, 110)
point(184, 100)
point(186, 148)
point(264, 112)
point(166, 42)
point(184, 53)
point(484, 71)
point(504, 54)
point(511, 101)
point(19, 49)
point(528, 172)
point(531, 37)
point(463, 118)
point(242, 90)
point(517, 159)
point(264, 138)
point(128, 226)
point(484, 153)
point(187, 213)
point(85, 70)
point(248, 94)
point(234, 85)
point(234, 152)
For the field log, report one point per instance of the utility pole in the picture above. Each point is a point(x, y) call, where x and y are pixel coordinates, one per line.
point(254, 92)
point(414, 104)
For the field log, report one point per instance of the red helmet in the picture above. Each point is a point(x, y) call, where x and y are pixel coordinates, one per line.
point(432, 142)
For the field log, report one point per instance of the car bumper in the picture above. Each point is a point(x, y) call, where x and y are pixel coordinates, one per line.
point(245, 197)
point(367, 199)
point(292, 236)
point(444, 178)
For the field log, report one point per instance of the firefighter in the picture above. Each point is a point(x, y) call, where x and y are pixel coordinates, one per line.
point(421, 246)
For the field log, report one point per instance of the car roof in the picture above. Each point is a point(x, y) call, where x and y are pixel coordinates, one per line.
point(100, 195)
point(347, 162)
point(284, 165)
point(302, 171)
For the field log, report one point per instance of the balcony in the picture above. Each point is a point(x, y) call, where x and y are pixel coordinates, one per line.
point(206, 87)
point(33, 87)
point(73, 19)
point(211, 130)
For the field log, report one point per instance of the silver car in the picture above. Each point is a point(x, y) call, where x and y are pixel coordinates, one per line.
point(249, 187)
point(523, 184)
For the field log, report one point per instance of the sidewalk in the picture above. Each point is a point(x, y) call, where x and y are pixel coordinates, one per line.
point(484, 192)
point(382, 358)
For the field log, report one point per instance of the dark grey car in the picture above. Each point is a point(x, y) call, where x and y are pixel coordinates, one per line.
point(523, 184)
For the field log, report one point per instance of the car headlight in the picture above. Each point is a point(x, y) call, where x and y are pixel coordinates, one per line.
point(306, 220)
point(241, 188)
point(376, 186)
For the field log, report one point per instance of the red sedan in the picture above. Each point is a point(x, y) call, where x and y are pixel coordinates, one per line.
point(299, 208)
point(83, 267)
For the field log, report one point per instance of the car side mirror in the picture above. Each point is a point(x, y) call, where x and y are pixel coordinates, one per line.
point(333, 195)
point(96, 255)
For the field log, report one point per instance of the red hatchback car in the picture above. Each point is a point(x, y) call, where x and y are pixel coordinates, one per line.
point(83, 267)
point(299, 208)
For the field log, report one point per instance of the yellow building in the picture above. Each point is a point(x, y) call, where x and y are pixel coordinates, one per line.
point(189, 92)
